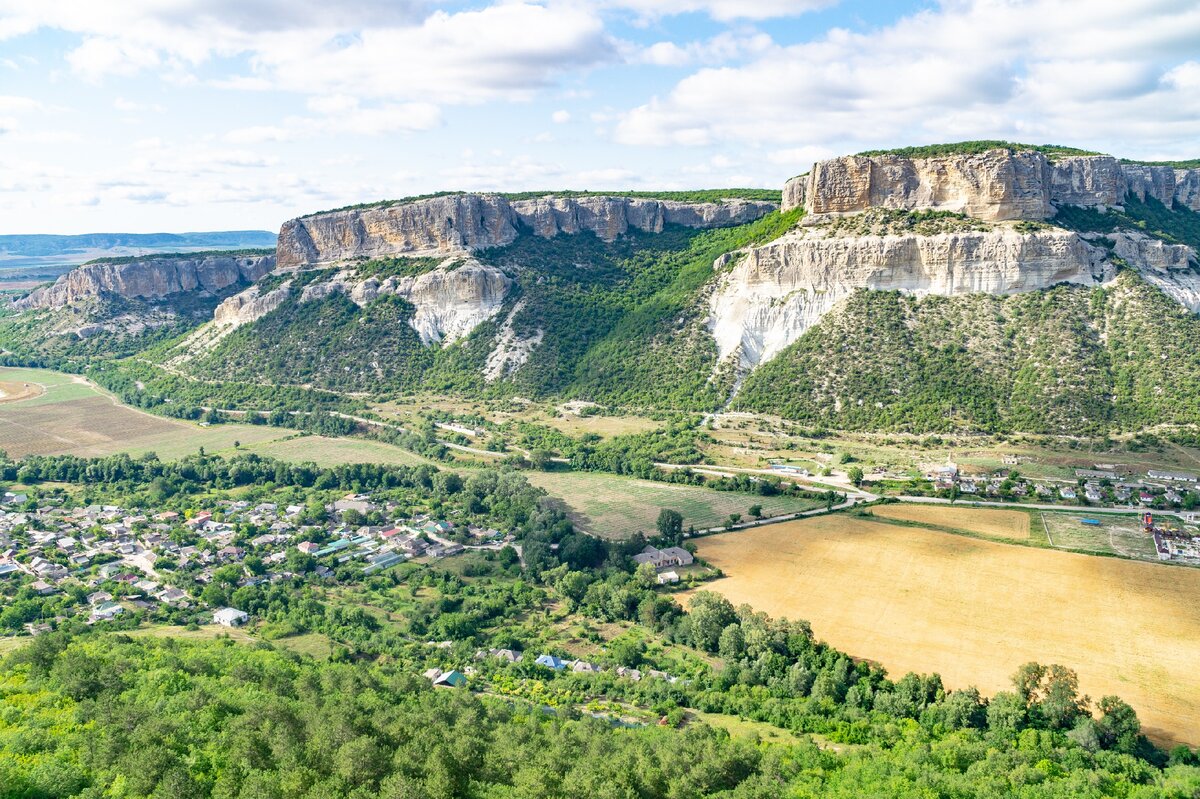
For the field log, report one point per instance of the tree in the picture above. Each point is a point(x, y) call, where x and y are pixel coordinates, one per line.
point(670, 525)
point(756, 511)
point(855, 474)
point(709, 614)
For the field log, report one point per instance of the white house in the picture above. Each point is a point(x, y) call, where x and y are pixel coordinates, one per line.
point(230, 617)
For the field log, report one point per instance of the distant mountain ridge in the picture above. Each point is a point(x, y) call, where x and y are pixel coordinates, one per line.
point(49, 244)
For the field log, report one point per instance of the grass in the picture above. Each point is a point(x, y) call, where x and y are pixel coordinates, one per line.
point(205, 632)
point(616, 507)
point(12, 644)
point(1115, 535)
point(325, 451)
point(314, 645)
point(1128, 628)
point(745, 728)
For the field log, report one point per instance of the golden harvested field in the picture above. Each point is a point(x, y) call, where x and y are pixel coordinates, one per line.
point(996, 523)
point(974, 611)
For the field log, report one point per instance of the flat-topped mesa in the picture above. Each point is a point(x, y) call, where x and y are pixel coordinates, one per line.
point(460, 222)
point(151, 278)
point(995, 185)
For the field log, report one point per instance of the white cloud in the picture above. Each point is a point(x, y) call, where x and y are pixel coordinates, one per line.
point(721, 48)
point(366, 49)
point(12, 104)
point(723, 9)
point(561, 117)
point(1037, 69)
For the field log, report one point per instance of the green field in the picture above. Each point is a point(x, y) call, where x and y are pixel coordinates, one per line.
point(616, 507)
point(1115, 535)
point(326, 451)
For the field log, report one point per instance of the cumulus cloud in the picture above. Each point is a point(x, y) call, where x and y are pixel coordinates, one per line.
point(723, 9)
point(1032, 69)
point(365, 48)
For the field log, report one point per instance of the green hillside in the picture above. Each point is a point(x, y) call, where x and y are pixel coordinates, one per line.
point(1070, 359)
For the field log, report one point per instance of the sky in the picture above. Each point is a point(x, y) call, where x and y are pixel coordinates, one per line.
point(189, 115)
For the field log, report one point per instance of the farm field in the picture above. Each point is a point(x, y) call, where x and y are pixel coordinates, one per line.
point(1012, 524)
point(616, 507)
point(973, 611)
point(1115, 535)
point(325, 451)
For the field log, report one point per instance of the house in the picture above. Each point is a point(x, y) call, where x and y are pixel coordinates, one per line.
point(583, 667)
point(551, 662)
point(106, 611)
point(1145, 498)
point(42, 588)
point(664, 558)
point(1066, 492)
point(172, 596)
point(99, 598)
point(509, 655)
point(668, 577)
point(632, 674)
point(450, 679)
point(230, 617)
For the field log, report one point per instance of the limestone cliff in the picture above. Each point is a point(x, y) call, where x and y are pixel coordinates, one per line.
point(995, 185)
point(767, 296)
point(450, 300)
point(464, 222)
point(150, 278)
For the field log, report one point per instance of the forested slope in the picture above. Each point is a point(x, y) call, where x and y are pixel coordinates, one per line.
point(1070, 359)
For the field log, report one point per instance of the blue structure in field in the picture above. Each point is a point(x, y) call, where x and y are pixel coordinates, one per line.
point(1090, 522)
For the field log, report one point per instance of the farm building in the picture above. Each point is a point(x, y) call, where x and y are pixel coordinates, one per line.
point(664, 558)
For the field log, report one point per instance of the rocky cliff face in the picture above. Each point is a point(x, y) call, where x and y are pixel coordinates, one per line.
point(450, 301)
point(150, 278)
point(459, 222)
point(766, 297)
point(995, 185)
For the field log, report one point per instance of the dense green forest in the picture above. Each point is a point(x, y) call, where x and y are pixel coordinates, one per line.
point(89, 713)
point(1070, 359)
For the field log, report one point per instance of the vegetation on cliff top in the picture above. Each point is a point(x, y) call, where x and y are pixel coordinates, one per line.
point(686, 196)
point(249, 252)
point(977, 147)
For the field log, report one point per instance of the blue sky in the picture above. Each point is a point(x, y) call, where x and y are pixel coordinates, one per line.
point(173, 115)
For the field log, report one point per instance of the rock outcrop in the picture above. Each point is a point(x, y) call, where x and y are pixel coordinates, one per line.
point(767, 296)
point(995, 185)
point(465, 222)
point(250, 305)
point(150, 278)
point(450, 301)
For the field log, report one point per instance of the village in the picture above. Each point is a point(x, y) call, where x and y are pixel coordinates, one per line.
point(103, 561)
point(1104, 485)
